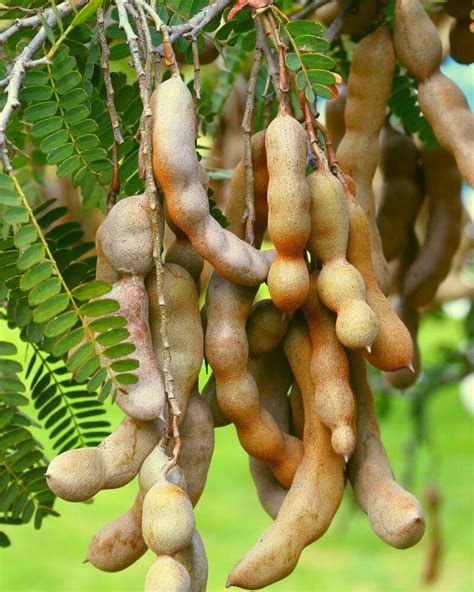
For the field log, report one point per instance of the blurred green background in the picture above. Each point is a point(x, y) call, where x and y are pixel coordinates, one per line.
point(348, 557)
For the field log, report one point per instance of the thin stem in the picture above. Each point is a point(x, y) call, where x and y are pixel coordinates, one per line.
point(249, 215)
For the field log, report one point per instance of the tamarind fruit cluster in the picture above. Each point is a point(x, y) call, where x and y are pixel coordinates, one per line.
point(288, 371)
point(418, 47)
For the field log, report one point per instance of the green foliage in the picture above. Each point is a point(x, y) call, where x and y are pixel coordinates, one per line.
point(403, 103)
point(24, 492)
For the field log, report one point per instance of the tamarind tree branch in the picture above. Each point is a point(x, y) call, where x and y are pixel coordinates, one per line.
point(24, 61)
point(249, 215)
point(262, 43)
point(196, 24)
point(308, 9)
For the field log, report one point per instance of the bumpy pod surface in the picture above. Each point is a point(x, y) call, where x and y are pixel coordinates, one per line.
point(416, 39)
point(226, 344)
point(340, 285)
point(119, 544)
point(125, 237)
point(185, 334)
point(197, 435)
point(288, 211)
point(77, 475)
point(314, 496)
point(151, 467)
point(404, 378)
point(236, 207)
point(176, 169)
point(266, 327)
point(209, 395)
point(144, 400)
point(334, 401)
point(394, 514)
point(194, 559)
point(273, 376)
point(167, 575)
point(443, 233)
point(358, 152)
point(401, 196)
point(393, 347)
point(442, 102)
point(168, 523)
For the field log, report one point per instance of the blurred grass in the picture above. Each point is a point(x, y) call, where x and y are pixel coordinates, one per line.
point(348, 557)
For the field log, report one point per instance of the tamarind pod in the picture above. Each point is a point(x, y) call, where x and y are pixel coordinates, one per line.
point(144, 400)
point(181, 252)
point(236, 207)
point(226, 346)
point(103, 270)
point(185, 334)
point(209, 395)
point(273, 377)
point(314, 495)
point(167, 575)
point(168, 523)
point(416, 39)
point(404, 378)
point(77, 475)
point(401, 196)
point(334, 116)
point(340, 285)
point(269, 490)
point(289, 222)
point(334, 402)
point(119, 544)
point(459, 9)
point(297, 410)
point(394, 514)
point(176, 169)
point(266, 327)
point(197, 446)
point(125, 237)
point(194, 559)
point(366, 94)
point(445, 107)
point(461, 42)
point(431, 266)
point(152, 466)
point(393, 347)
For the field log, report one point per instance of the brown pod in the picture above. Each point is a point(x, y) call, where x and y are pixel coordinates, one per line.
point(144, 400)
point(355, 20)
point(341, 287)
point(441, 101)
point(334, 115)
point(167, 575)
point(314, 496)
point(209, 396)
point(119, 544)
point(334, 402)
point(194, 559)
point(176, 169)
point(431, 266)
point(394, 514)
point(289, 205)
point(77, 475)
point(266, 327)
point(368, 94)
point(236, 208)
point(228, 307)
point(273, 377)
point(401, 196)
point(393, 347)
point(461, 42)
point(185, 334)
point(197, 435)
point(404, 378)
